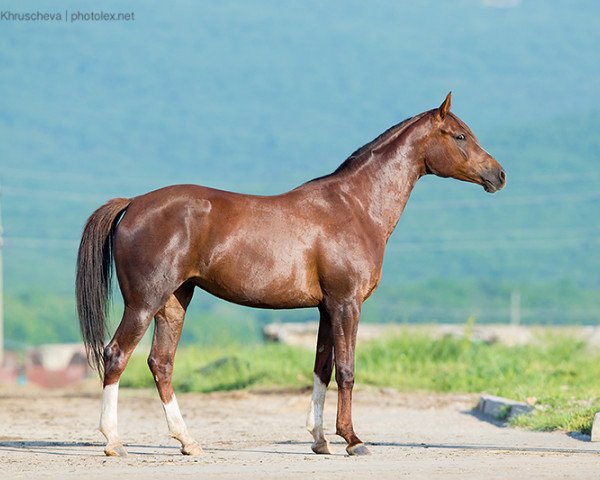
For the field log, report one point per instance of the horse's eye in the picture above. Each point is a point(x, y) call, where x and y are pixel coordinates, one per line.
point(461, 137)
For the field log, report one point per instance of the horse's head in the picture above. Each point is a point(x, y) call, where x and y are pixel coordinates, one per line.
point(451, 150)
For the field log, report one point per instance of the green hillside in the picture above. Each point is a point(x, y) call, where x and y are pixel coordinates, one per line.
point(261, 96)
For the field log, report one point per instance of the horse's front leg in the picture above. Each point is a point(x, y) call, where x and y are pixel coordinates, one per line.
point(344, 321)
point(322, 376)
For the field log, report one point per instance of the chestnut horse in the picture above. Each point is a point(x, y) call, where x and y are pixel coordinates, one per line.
point(319, 245)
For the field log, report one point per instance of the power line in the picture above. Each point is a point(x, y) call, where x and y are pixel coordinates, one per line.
point(429, 244)
point(125, 183)
point(61, 194)
point(494, 244)
point(508, 234)
point(442, 205)
point(53, 175)
point(556, 177)
point(32, 242)
point(506, 201)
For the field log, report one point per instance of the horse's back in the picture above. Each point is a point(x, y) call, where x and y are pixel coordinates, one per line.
point(252, 250)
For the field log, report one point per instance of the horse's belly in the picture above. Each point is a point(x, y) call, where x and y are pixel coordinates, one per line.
point(276, 296)
point(257, 299)
point(264, 282)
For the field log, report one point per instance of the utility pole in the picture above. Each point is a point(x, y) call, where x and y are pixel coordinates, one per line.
point(515, 307)
point(1, 287)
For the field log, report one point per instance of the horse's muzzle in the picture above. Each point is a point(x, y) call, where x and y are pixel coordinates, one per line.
point(493, 180)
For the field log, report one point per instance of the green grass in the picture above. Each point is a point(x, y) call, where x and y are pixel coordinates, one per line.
point(561, 374)
point(229, 368)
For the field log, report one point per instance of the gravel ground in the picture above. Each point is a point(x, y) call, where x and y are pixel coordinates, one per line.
point(261, 435)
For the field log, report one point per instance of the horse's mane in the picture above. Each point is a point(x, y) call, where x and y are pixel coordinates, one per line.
point(358, 156)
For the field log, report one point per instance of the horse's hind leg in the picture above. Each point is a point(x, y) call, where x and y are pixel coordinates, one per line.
point(168, 323)
point(116, 355)
point(322, 376)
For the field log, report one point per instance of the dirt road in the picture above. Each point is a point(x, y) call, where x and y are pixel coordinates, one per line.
point(257, 436)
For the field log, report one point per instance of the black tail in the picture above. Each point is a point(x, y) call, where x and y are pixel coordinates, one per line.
point(94, 275)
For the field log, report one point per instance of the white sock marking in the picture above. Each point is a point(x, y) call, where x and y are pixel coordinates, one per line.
point(175, 421)
point(314, 421)
point(108, 415)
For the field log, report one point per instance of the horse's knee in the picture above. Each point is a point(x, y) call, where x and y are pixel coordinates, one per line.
point(160, 368)
point(344, 376)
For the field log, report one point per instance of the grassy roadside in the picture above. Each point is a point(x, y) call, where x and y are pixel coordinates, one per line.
point(559, 374)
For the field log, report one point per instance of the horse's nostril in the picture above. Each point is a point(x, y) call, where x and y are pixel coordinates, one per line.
point(502, 176)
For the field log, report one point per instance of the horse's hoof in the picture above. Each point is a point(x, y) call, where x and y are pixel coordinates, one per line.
point(358, 449)
point(322, 448)
point(192, 449)
point(115, 450)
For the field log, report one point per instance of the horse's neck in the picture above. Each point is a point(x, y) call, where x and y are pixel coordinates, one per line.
point(383, 183)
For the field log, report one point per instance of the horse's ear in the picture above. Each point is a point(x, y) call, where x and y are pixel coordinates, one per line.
point(445, 107)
